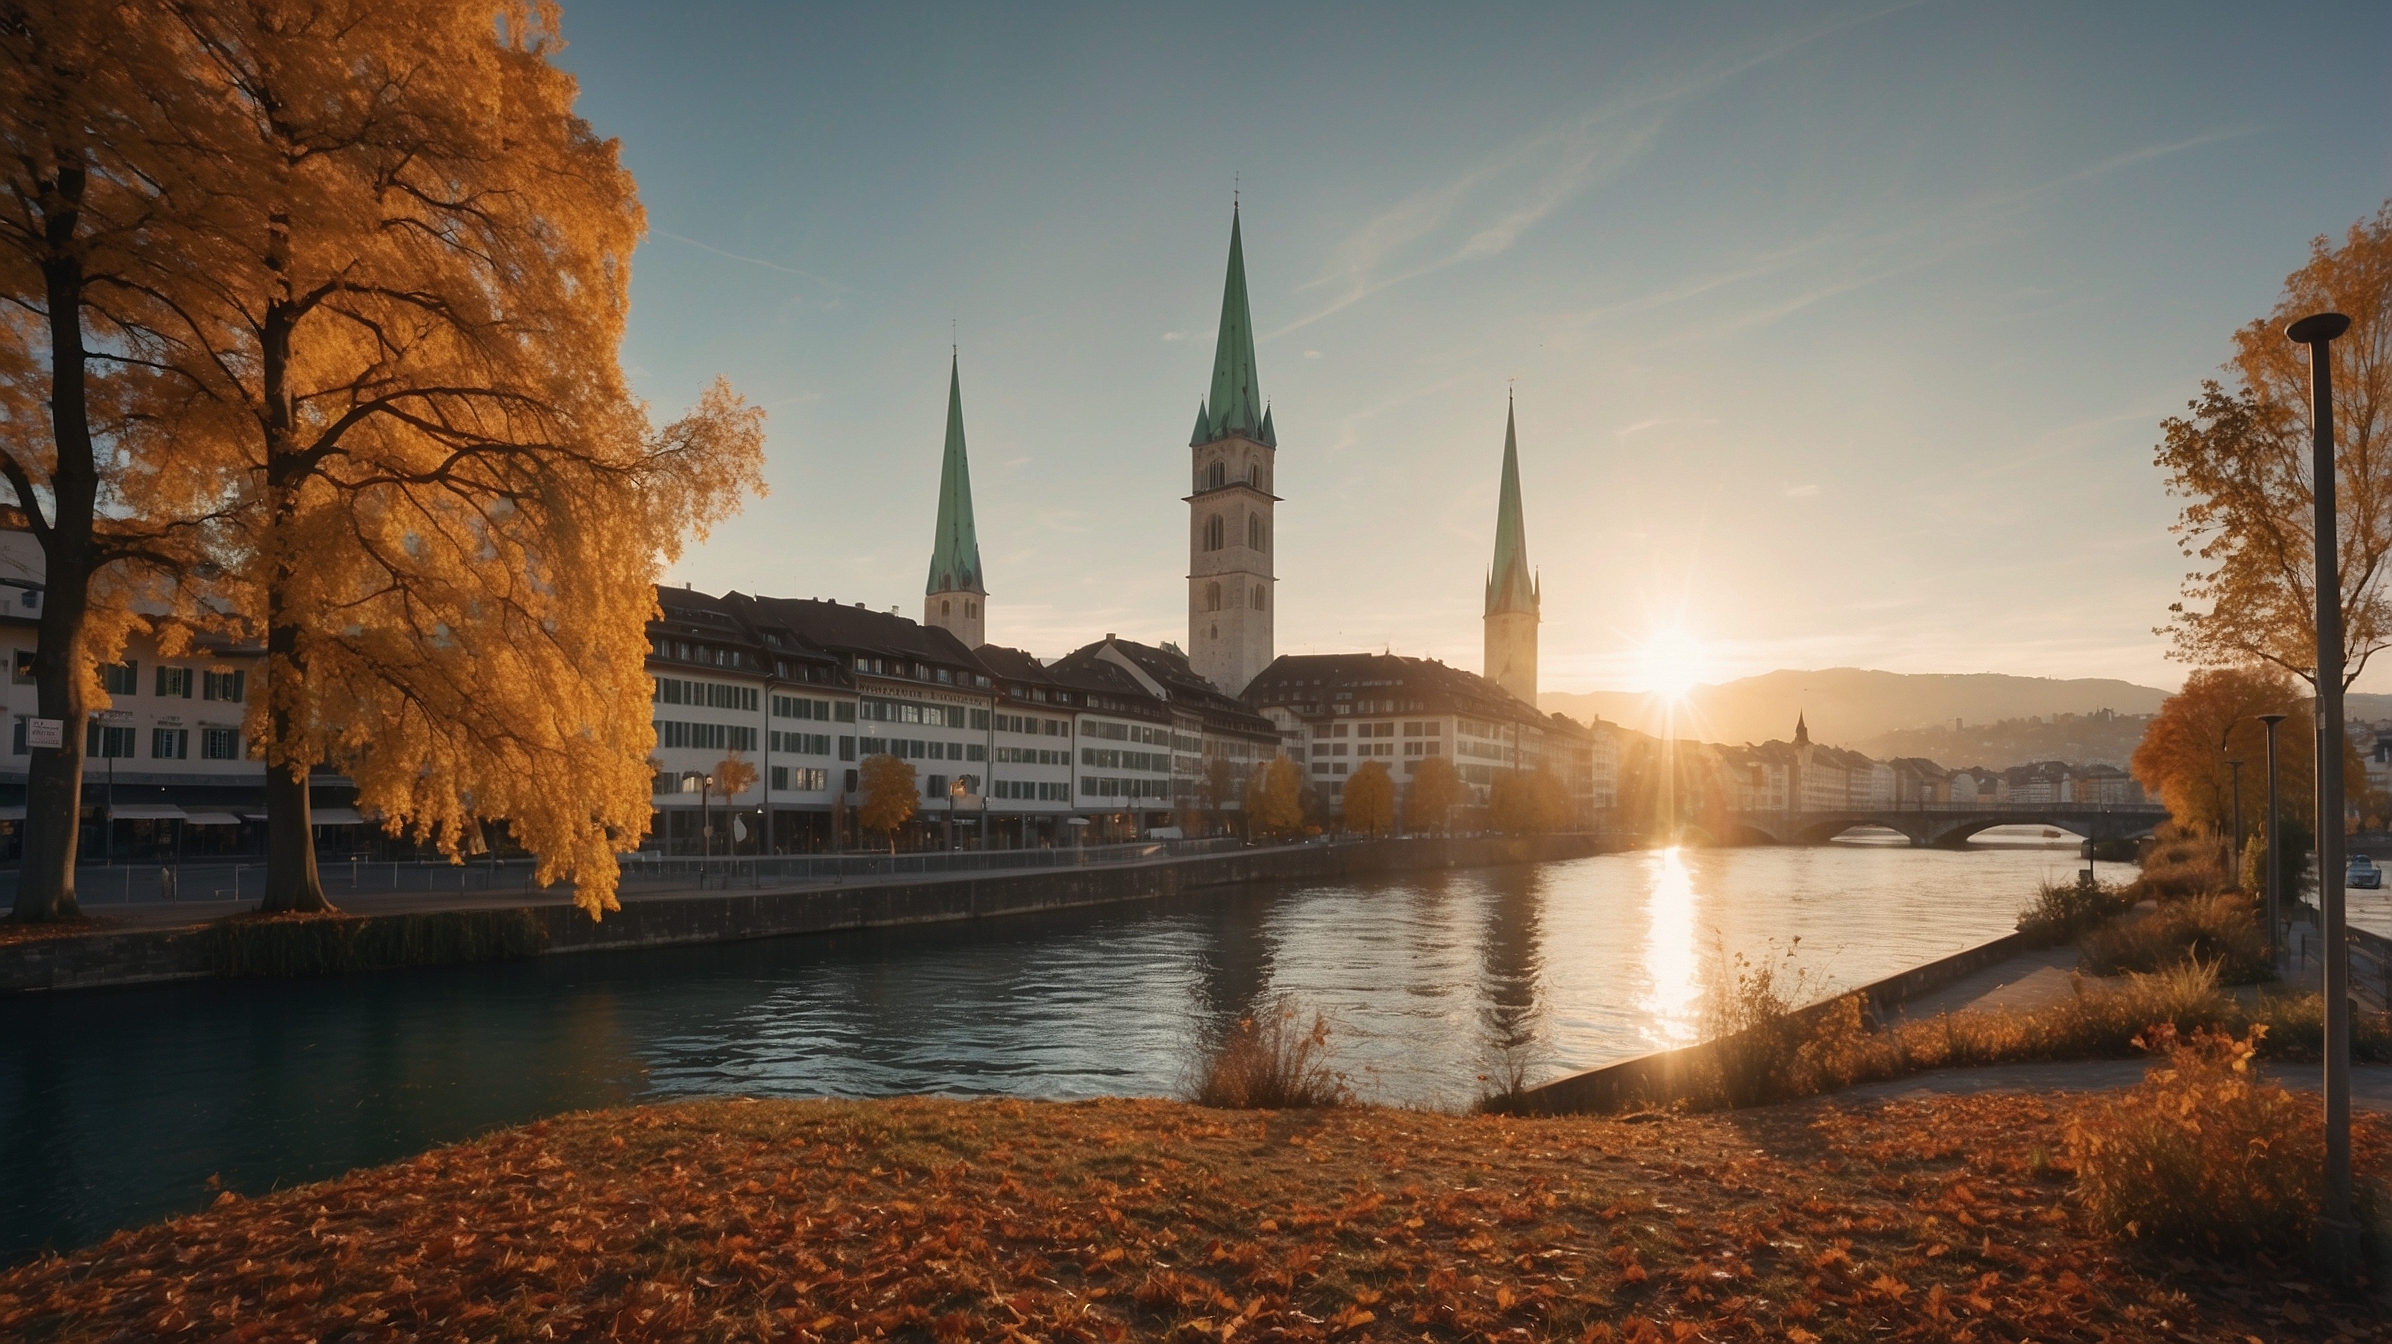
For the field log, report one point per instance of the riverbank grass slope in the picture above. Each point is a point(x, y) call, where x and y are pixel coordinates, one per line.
point(1941, 1219)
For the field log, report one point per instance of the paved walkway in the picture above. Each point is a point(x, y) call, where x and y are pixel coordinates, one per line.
point(2027, 981)
point(2371, 1084)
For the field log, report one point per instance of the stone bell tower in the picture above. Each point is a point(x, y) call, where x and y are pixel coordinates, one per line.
point(1231, 591)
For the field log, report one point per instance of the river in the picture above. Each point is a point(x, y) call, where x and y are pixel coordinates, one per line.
point(119, 1106)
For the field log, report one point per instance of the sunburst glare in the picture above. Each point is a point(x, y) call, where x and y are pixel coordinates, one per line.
point(1670, 663)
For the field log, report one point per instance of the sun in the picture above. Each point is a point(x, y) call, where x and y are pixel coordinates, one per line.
point(1670, 663)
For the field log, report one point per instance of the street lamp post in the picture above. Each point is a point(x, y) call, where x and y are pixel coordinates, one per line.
point(705, 825)
point(2275, 840)
point(2234, 768)
point(2338, 1233)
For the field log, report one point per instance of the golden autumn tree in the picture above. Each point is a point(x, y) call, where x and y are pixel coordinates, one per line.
point(103, 200)
point(1436, 791)
point(1525, 802)
point(734, 775)
point(2240, 462)
point(454, 511)
point(2214, 719)
point(1274, 798)
point(892, 794)
point(1369, 800)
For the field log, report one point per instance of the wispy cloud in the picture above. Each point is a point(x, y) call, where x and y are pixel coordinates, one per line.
point(753, 261)
point(1483, 211)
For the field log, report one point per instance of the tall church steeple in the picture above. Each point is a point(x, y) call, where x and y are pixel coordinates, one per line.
point(1514, 594)
point(956, 599)
point(1233, 450)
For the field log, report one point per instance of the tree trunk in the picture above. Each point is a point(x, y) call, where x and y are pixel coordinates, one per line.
point(292, 882)
point(54, 777)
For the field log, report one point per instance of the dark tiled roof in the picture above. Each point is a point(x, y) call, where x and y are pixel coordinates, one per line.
point(1187, 691)
point(840, 629)
point(1309, 683)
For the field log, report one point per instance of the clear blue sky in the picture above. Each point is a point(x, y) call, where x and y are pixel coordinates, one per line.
point(1841, 334)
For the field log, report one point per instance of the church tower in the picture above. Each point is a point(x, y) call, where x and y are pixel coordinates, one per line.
point(957, 600)
point(1513, 595)
point(1230, 588)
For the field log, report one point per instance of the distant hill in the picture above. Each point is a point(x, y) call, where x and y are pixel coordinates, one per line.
point(2099, 738)
point(1853, 707)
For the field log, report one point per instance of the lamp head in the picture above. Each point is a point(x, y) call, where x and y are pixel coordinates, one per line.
point(2271, 720)
point(2317, 327)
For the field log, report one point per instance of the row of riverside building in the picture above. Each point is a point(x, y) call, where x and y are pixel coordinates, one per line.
point(1113, 740)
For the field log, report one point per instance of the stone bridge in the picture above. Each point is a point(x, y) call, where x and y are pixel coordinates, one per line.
point(1944, 825)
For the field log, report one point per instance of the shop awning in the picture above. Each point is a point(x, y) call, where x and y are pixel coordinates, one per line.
point(211, 819)
point(146, 812)
point(338, 816)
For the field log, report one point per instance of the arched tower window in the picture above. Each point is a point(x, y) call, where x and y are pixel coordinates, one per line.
point(1254, 531)
point(944, 606)
point(1212, 597)
point(1212, 533)
point(1258, 597)
point(1218, 477)
point(971, 608)
point(1254, 475)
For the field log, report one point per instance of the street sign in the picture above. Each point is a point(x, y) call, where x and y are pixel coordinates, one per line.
point(116, 716)
point(50, 733)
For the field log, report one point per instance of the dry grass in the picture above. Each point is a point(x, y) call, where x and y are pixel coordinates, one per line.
point(2221, 929)
point(1833, 1045)
point(928, 1219)
point(1272, 1061)
point(2202, 1154)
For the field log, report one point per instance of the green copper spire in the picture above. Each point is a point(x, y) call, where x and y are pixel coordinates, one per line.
point(1510, 586)
point(955, 550)
point(1236, 401)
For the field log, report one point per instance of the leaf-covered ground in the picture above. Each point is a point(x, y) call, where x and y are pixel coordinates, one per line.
point(1940, 1219)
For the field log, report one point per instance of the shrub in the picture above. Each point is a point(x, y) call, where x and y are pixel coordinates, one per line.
point(2201, 1153)
point(2172, 872)
point(2065, 911)
point(2222, 929)
point(1268, 1062)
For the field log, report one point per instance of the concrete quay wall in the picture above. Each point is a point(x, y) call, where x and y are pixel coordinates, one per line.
point(131, 957)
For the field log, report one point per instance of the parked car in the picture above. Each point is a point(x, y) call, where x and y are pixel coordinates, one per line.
point(2363, 873)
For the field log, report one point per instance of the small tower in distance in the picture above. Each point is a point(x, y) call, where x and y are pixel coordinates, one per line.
point(1513, 592)
point(956, 600)
point(1234, 453)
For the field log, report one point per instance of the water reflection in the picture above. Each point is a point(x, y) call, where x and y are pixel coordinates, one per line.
point(1672, 962)
point(117, 1106)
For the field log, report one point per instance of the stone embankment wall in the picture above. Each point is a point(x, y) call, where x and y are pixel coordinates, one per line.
point(1650, 1079)
point(445, 938)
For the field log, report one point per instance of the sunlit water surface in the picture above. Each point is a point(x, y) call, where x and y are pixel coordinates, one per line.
point(119, 1105)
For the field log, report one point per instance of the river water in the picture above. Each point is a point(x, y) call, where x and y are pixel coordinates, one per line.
point(118, 1106)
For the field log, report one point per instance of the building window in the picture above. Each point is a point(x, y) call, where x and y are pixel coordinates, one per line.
point(108, 743)
point(21, 672)
point(1253, 531)
point(944, 611)
point(220, 744)
point(174, 683)
point(1212, 597)
point(230, 686)
point(1213, 532)
point(170, 744)
point(1217, 476)
point(121, 678)
point(1258, 597)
